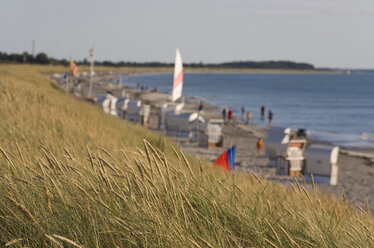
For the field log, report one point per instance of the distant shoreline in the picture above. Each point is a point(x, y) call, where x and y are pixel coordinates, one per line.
point(157, 70)
point(259, 71)
point(151, 71)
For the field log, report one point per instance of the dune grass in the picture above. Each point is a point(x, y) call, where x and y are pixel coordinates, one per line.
point(72, 176)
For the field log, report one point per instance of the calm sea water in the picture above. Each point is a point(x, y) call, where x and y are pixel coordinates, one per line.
point(333, 108)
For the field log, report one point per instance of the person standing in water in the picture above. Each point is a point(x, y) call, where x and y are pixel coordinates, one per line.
point(262, 112)
point(201, 106)
point(224, 114)
point(230, 114)
point(249, 116)
point(243, 112)
point(270, 116)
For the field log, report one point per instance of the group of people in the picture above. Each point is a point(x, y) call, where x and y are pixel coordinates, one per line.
point(260, 142)
point(270, 115)
point(229, 115)
point(142, 87)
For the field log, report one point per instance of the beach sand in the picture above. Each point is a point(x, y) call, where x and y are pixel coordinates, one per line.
point(356, 174)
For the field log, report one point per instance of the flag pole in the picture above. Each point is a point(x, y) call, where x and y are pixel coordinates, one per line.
point(91, 71)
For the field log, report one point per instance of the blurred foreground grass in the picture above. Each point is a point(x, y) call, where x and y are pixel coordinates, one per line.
point(72, 176)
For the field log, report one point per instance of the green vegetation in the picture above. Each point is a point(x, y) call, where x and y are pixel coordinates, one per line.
point(71, 176)
point(43, 59)
point(40, 58)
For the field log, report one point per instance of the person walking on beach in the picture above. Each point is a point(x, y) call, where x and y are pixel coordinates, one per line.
point(224, 114)
point(260, 144)
point(249, 116)
point(270, 116)
point(230, 114)
point(243, 112)
point(262, 112)
point(201, 106)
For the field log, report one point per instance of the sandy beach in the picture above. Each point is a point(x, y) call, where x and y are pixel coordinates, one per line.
point(355, 172)
point(356, 166)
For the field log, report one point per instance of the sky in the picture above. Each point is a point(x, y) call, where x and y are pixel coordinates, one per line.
point(334, 33)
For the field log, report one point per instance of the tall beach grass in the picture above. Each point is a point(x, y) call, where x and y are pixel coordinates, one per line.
point(71, 176)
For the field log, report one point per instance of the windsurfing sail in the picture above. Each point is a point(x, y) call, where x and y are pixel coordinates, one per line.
point(178, 77)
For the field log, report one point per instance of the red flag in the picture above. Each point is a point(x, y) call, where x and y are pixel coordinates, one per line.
point(222, 161)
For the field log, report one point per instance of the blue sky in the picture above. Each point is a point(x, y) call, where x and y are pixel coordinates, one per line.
point(334, 33)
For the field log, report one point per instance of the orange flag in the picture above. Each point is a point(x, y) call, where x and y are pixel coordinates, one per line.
point(73, 68)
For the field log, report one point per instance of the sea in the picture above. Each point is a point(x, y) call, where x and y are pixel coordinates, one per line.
point(334, 108)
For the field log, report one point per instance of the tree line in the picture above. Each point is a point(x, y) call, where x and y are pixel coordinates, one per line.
point(42, 58)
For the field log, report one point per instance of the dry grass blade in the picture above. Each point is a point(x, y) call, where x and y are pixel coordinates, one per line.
point(307, 194)
point(183, 211)
point(103, 204)
point(69, 241)
point(274, 232)
point(154, 151)
point(187, 163)
point(23, 181)
point(6, 156)
point(120, 196)
point(90, 156)
point(51, 159)
point(367, 208)
point(23, 210)
point(189, 204)
point(19, 152)
point(298, 185)
point(258, 179)
point(177, 155)
point(293, 187)
point(68, 153)
point(270, 243)
point(344, 196)
point(106, 152)
point(241, 191)
point(194, 243)
point(160, 173)
point(205, 242)
point(289, 237)
point(167, 169)
point(366, 228)
point(12, 242)
point(145, 143)
point(106, 163)
point(223, 186)
point(145, 169)
point(54, 241)
point(48, 198)
point(59, 192)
